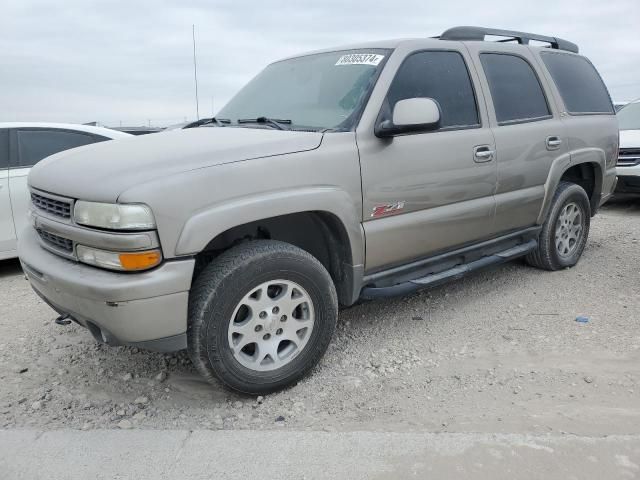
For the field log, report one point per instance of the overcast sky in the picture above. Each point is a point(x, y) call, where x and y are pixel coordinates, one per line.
point(131, 61)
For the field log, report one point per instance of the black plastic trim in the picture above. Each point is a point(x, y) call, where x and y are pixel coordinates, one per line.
point(453, 273)
point(479, 33)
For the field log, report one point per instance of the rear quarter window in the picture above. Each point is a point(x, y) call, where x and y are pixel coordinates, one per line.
point(580, 85)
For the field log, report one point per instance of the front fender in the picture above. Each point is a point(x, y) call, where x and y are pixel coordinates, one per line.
point(210, 222)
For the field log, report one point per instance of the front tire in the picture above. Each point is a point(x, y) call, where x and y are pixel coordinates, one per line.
point(564, 233)
point(261, 315)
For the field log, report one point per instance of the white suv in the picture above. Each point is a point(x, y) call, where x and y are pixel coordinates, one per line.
point(628, 167)
point(22, 145)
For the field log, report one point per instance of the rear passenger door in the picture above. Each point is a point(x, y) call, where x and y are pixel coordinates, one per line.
point(7, 230)
point(529, 133)
point(28, 147)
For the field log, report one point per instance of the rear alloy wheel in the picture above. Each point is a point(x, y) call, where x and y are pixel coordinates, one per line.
point(261, 315)
point(569, 228)
point(564, 233)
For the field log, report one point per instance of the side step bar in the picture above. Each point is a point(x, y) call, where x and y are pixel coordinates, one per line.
point(459, 271)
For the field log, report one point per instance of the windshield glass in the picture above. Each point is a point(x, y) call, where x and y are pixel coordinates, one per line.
point(321, 91)
point(629, 117)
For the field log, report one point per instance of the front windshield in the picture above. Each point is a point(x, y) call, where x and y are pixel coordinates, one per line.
point(320, 91)
point(629, 116)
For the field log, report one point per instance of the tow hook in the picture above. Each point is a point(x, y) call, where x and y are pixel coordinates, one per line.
point(63, 319)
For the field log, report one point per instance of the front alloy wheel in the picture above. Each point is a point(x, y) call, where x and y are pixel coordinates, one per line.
point(261, 315)
point(271, 325)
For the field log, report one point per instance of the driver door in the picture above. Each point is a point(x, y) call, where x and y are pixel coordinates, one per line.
point(429, 192)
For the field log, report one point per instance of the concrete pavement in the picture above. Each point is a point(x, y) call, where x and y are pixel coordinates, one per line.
point(168, 454)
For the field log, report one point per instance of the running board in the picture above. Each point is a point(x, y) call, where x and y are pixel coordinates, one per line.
point(459, 271)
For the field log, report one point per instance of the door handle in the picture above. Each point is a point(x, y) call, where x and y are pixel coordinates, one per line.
point(482, 154)
point(553, 142)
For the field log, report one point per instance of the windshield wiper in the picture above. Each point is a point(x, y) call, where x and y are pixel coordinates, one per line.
point(274, 122)
point(221, 122)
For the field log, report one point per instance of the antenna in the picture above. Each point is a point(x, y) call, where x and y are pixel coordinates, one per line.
point(195, 70)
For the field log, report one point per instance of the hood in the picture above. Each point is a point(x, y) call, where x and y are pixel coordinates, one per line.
point(629, 138)
point(102, 171)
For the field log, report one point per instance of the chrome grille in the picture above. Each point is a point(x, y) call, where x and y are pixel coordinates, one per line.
point(56, 241)
point(58, 208)
point(629, 157)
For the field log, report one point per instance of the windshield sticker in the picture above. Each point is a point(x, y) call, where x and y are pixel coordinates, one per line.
point(360, 59)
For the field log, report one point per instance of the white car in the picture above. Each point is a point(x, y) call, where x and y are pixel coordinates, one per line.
point(22, 145)
point(628, 167)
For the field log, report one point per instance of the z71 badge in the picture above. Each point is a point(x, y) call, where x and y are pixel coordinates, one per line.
point(388, 209)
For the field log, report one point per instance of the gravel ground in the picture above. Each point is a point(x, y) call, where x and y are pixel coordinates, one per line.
point(500, 351)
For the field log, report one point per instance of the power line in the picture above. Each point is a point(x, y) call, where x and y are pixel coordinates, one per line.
point(195, 70)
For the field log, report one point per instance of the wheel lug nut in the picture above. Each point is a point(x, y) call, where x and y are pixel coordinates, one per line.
point(258, 328)
point(266, 337)
point(275, 310)
point(263, 315)
point(283, 318)
point(279, 331)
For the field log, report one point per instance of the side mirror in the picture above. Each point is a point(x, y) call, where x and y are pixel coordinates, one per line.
point(411, 115)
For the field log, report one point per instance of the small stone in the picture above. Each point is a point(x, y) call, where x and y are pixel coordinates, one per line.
point(86, 426)
point(588, 379)
point(127, 376)
point(22, 400)
point(20, 369)
point(135, 350)
point(161, 377)
point(141, 400)
point(140, 416)
point(36, 405)
point(173, 361)
point(124, 424)
point(260, 399)
point(279, 419)
point(120, 413)
point(61, 371)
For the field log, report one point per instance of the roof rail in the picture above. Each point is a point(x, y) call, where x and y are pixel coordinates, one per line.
point(478, 33)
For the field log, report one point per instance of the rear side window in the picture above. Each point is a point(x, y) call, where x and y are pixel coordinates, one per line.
point(579, 84)
point(4, 148)
point(515, 88)
point(34, 145)
point(442, 76)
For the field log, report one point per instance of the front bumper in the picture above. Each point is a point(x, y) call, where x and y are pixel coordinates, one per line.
point(628, 179)
point(148, 309)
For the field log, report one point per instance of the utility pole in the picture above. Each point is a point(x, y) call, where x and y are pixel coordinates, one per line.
point(195, 70)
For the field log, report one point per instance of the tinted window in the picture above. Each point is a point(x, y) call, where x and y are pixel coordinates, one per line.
point(579, 84)
point(4, 148)
point(442, 76)
point(34, 145)
point(515, 89)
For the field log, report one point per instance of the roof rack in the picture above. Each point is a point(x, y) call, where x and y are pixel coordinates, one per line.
point(479, 33)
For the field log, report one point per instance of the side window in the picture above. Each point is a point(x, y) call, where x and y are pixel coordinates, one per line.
point(442, 76)
point(578, 82)
point(4, 147)
point(34, 145)
point(515, 88)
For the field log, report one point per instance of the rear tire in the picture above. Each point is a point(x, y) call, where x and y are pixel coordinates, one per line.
point(261, 315)
point(564, 233)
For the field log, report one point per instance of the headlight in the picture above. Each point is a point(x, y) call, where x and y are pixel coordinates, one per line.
point(114, 216)
point(125, 261)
